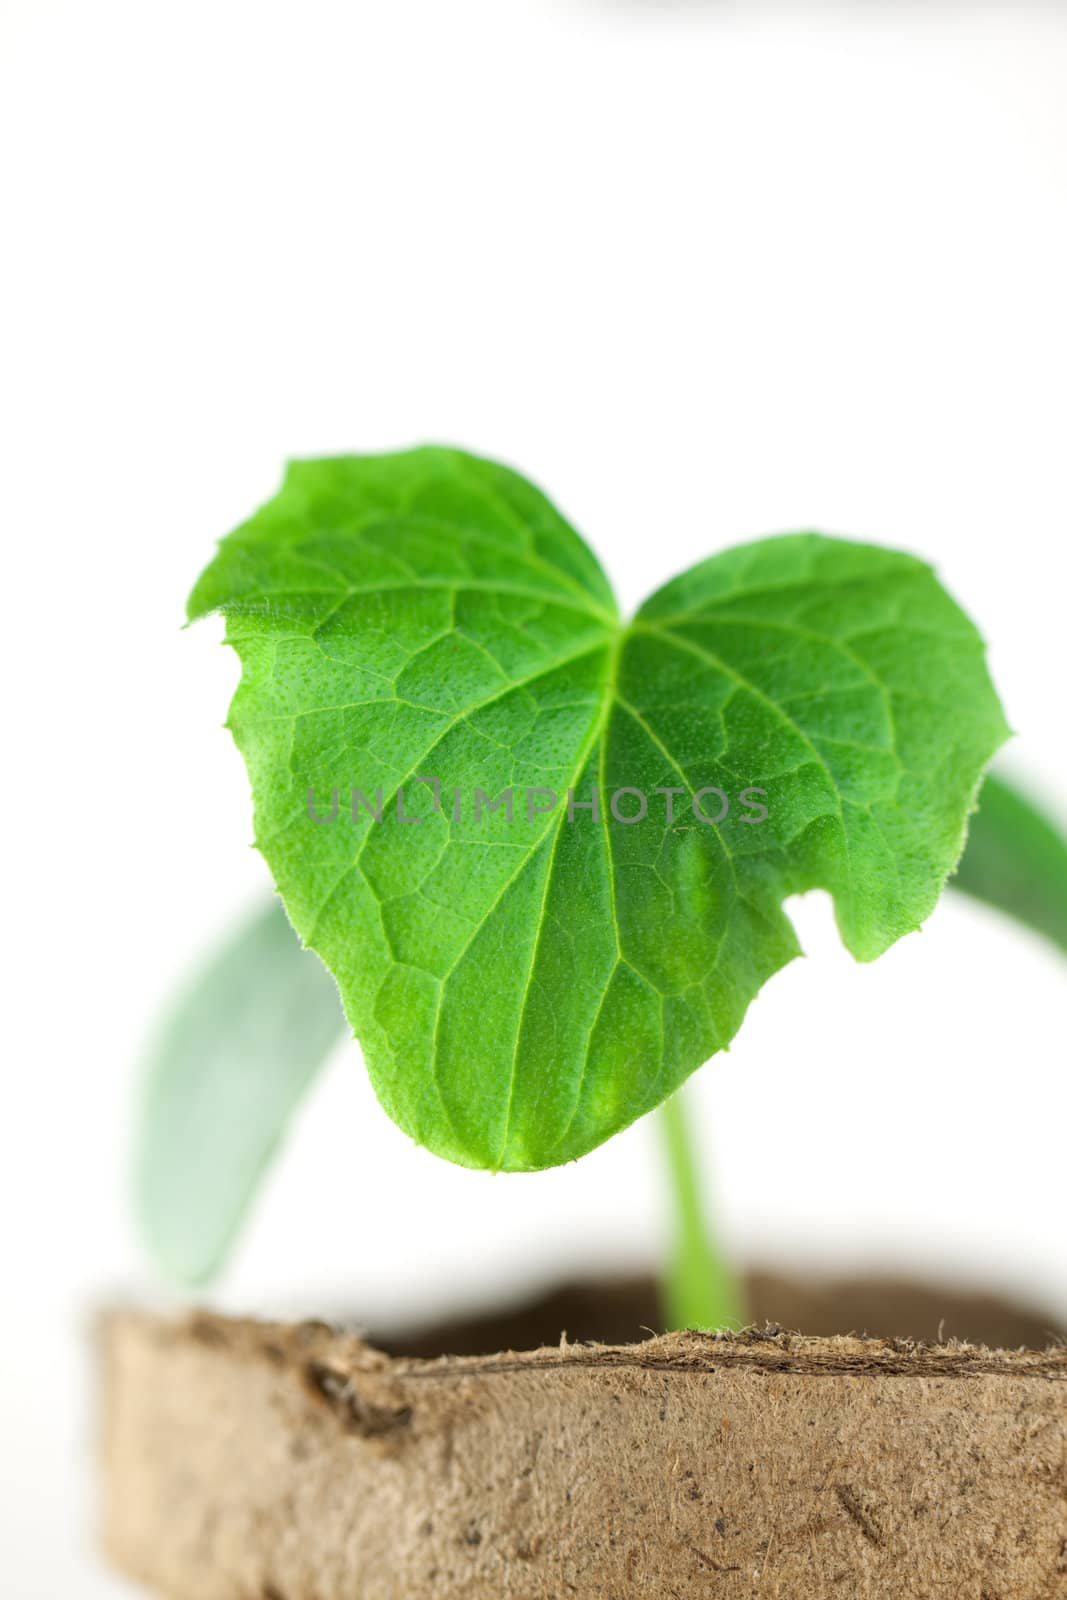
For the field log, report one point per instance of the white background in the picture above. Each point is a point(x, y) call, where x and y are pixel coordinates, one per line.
point(705, 271)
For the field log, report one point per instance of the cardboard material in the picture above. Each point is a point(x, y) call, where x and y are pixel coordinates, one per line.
point(249, 1461)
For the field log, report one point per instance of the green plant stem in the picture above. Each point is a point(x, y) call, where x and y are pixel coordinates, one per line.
point(699, 1288)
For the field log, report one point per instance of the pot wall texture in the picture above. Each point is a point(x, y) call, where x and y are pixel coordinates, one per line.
point(248, 1461)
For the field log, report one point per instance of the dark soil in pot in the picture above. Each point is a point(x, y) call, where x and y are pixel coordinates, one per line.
point(627, 1310)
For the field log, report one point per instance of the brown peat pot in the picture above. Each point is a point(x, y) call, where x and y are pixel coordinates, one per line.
point(265, 1461)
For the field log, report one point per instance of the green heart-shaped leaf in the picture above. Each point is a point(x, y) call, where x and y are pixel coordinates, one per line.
point(524, 988)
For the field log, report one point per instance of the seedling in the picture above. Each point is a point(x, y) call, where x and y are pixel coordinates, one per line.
point(543, 852)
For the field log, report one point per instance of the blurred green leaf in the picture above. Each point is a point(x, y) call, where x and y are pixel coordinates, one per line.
point(233, 1059)
point(1016, 860)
